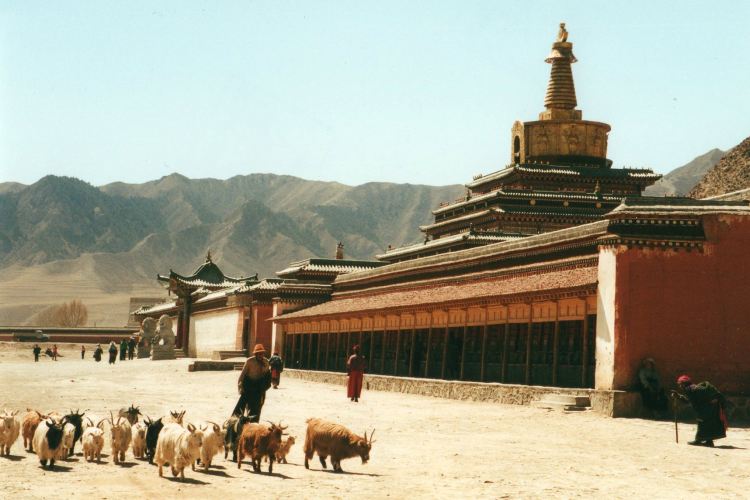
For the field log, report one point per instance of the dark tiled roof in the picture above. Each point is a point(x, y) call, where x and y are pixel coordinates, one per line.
point(568, 171)
point(531, 195)
point(478, 238)
point(208, 275)
point(437, 295)
point(278, 285)
point(327, 267)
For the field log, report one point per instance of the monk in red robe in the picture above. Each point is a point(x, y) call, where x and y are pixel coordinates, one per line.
point(355, 367)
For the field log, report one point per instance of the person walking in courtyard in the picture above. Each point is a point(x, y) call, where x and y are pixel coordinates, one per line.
point(131, 348)
point(112, 352)
point(710, 408)
point(37, 351)
point(54, 352)
point(83, 351)
point(277, 366)
point(254, 381)
point(123, 349)
point(98, 353)
point(355, 367)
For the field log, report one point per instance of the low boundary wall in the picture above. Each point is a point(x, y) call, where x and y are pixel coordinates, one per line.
point(609, 403)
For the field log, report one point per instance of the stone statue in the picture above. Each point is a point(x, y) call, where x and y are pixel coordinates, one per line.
point(562, 35)
point(146, 337)
point(162, 346)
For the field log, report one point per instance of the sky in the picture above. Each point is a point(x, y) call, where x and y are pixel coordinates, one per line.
point(421, 92)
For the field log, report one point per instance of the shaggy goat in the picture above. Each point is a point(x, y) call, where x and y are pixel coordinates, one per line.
point(286, 445)
point(29, 425)
point(233, 428)
point(175, 417)
point(213, 442)
point(75, 418)
point(179, 447)
point(153, 428)
point(259, 441)
point(93, 442)
point(131, 414)
point(334, 440)
point(121, 436)
point(9, 430)
point(139, 439)
point(48, 441)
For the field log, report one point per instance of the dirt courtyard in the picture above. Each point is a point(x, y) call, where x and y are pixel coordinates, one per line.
point(426, 447)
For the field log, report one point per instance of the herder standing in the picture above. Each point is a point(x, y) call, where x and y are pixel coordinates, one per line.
point(277, 366)
point(123, 349)
point(254, 381)
point(131, 348)
point(112, 352)
point(710, 407)
point(37, 350)
point(355, 366)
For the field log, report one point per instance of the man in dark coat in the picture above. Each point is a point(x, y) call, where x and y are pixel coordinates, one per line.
point(123, 349)
point(37, 351)
point(131, 347)
point(710, 407)
point(254, 381)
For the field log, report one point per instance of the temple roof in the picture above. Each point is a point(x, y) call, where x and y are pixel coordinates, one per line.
point(275, 285)
point(573, 172)
point(326, 267)
point(471, 237)
point(208, 275)
point(434, 295)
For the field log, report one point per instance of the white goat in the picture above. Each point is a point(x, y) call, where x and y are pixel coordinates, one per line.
point(213, 442)
point(121, 436)
point(10, 428)
point(174, 417)
point(93, 442)
point(139, 440)
point(179, 447)
point(47, 441)
point(69, 431)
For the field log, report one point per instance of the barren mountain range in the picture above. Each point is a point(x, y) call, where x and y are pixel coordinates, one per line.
point(62, 238)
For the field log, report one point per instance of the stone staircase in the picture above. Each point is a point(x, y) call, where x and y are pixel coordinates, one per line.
point(179, 353)
point(563, 402)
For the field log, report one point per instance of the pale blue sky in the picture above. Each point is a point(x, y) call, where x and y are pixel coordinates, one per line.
point(410, 91)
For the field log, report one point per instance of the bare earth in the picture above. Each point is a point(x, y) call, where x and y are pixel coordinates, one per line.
point(426, 447)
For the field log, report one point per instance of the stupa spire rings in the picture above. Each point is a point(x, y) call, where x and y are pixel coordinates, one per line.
point(561, 92)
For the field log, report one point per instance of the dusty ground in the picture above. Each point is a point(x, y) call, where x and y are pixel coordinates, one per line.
point(426, 447)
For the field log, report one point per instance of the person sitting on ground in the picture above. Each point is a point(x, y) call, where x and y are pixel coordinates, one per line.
point(710, 409)
point(649, 384)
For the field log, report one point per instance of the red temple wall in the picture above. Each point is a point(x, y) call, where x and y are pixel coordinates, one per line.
point(690, 311)
point(261, 330)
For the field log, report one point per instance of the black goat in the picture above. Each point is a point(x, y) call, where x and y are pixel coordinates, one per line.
point(153, 428)
point(233, 427)
point(76, 419)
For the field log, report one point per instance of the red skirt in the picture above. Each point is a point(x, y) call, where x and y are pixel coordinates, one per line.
point(354, 387)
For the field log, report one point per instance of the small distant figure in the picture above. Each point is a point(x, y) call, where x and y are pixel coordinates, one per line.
point(710, 407)
point(123, 349)
point(83, 351)
point(54, 352)
point(112, 352)
point(277, 366)
point(37, 351)
point(652, 393)
point(355, 367)
point(562, 34)
point(131, 347)
point(98, 353)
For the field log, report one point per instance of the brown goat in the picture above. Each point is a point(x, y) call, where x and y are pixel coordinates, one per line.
point(259, 441)
point(334, 440)
point(284, 450)
point(28, 427)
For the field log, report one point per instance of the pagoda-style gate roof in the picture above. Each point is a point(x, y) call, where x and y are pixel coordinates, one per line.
point(208, 277)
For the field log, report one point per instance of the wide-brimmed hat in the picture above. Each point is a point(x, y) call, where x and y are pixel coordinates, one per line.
point(259, 348)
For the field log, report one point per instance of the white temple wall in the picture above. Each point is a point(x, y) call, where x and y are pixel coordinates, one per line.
point(214, 331)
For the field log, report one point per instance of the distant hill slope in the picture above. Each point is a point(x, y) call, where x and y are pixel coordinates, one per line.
point(732, 173)
point(61, 238)
point(681, 180)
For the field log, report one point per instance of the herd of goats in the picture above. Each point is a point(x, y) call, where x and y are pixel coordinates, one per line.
point(168, 440)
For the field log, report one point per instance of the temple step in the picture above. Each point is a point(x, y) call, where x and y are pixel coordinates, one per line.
point(222, 355)
point(563, 402)
point(179, 353)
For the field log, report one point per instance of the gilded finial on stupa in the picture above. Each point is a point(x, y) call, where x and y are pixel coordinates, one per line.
point(208, 255)
point(562, 35)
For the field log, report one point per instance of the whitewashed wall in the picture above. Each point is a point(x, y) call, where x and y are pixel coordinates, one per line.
point(214, 331)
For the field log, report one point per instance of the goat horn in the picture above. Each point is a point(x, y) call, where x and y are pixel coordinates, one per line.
point(371, 434)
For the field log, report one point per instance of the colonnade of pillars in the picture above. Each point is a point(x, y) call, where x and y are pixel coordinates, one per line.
point(556, 353)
